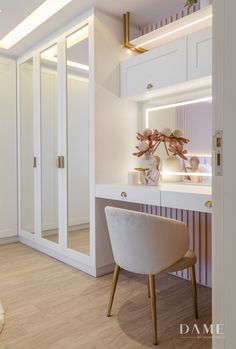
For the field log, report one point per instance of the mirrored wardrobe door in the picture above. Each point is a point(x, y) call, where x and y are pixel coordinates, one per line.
point(49, 144)
point(27, 147)
point(78, 230)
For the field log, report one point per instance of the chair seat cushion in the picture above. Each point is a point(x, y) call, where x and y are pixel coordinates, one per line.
point(187, 261)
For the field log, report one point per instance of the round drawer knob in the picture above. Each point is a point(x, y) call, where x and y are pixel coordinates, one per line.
point(123, 194)
point(149, 86)
point(208, 204)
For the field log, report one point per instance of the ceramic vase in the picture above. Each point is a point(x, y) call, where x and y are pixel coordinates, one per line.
point(151, 173)
point(172, 164)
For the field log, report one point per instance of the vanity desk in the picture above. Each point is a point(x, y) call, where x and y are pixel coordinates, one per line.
point(179, 196)
point(185, 202)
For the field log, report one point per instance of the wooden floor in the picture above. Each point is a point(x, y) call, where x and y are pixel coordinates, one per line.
point(50, 305)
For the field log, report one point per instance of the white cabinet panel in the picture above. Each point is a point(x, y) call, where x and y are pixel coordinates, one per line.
point(160, 67)
point(8, 170)
point(200, 54)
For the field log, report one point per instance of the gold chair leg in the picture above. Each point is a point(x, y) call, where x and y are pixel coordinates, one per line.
point(148, 287)
point(194, 290)
point(151, 279)
point(113, 289)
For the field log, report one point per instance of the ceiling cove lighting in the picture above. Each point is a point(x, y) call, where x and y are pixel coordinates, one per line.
point(33, 21)
point(169, 106)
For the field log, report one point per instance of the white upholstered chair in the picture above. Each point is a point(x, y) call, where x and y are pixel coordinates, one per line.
point(148, 244)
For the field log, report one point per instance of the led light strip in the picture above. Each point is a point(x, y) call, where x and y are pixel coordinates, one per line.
point(186, 26)
point(33, 21)
point(163, 107)
point(194, 174)
point(199, 155)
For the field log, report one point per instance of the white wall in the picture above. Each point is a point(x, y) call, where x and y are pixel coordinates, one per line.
point(116, 123)
point(8, 163)
point(116, 118)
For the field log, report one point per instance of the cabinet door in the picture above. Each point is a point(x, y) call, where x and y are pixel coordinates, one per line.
point(160, 67)
point(200, 54)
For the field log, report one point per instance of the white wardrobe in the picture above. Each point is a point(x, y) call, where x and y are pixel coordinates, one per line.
point(68, 106)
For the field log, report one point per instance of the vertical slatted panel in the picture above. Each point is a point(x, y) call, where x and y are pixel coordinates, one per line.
point(200, 226)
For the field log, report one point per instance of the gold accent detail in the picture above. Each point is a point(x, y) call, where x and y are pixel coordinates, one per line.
point(62, 162)
point(124, 194)
point(149, 86)
point(59, 162)
point(126, 27)
point(149, 294)
point(218, 142)
point(141, 169)
point(208, 204)
point(35, 162)
point(218, 159)
point(151, 280)
point(113, 289)
point(194, 290)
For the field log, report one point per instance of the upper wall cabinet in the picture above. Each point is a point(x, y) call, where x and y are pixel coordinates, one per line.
point(200, 54)
point(186, 59)
point(160, 67)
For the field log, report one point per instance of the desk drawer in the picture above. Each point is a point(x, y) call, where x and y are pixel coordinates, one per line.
point(135, 194)
point(186, 201)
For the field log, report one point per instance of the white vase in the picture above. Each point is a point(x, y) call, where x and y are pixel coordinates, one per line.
point(145, 161)
point(172, 164)
point(205, 3)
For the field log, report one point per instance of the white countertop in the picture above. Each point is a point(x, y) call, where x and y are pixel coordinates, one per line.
point(177, 195)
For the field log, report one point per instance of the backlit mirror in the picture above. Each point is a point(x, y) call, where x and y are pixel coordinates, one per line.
point(194, 118)
point(78, 232)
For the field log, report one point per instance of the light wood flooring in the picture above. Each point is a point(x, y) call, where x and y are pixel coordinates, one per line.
point(50, 305)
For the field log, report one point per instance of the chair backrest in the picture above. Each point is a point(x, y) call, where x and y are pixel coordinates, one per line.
point(144, 243)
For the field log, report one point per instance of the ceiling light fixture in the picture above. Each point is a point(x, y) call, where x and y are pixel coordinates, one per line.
point(33, 21)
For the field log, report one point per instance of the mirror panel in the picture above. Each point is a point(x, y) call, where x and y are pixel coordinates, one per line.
point(49, 144)
point(27, 147)
point(78, 233)
point(195, 120)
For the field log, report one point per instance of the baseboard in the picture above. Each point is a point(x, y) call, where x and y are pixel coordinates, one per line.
point(106, 269)
point(9, 240)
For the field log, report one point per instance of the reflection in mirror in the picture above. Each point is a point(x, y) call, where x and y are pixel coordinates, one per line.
point(78, 235)
point(195, 120)
point(49, 144)
point(27, 146)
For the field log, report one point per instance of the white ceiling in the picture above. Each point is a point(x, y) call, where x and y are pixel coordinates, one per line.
point(142, 12)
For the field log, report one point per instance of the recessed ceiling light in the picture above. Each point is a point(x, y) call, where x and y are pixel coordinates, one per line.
point(0, 11)
point(34, 20)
